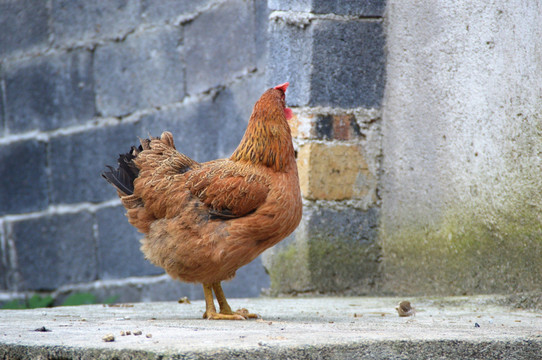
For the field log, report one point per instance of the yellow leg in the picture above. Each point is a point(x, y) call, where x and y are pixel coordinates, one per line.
point(225, 307)
point(221, 298)
point(209, 301)
point(210, 309)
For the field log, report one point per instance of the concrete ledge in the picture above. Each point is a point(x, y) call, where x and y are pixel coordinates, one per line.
point(298, 328)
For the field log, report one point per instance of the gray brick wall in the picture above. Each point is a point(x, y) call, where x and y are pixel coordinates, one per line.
point(79, 83)
point(48, 92)
point(25, 180)
point(24, 25)
point(144, 71)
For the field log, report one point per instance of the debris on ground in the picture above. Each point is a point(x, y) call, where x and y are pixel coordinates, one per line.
point(405, 309)
point(108, 338)
point(42, 329)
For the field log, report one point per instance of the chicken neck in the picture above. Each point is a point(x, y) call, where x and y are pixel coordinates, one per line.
point(267, 140)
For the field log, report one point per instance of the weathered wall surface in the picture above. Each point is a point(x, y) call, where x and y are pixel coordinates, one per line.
point(462, 147)
point(79, 83)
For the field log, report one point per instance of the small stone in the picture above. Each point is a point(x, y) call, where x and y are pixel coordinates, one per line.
point(108, 338)
point(405, 309)
point(148, 336)
point(183, 300)
point(128, 332)
point(138, 332)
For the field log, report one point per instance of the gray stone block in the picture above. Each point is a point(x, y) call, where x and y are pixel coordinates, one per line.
point(23, 24)
point(49, 92)
point(261, 24)
point(369, 8)
point(290, 59)
point(23, 184)
point(332, 251)
point(193, 126)
point(118, 247)
point(219, 45)
point(155, 11)
point(81, 19)
point(329, 62)
point(55, 250)
point(2, 105)
point(250, 281)
point(4, 261)
point(213, 127)
point(349, 63)
point(291, 5)
point(77, 160)
point(232, 108)
point(143, 71)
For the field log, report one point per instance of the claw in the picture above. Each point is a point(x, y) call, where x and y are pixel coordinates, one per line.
point(219, 316)
point(244, 313)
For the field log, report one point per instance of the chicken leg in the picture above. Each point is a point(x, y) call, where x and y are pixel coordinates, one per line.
point(225, 310)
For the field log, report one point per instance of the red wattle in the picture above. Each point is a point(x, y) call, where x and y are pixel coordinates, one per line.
point(288, 113)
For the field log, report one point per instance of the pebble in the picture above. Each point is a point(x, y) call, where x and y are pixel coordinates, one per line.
point(108, 338)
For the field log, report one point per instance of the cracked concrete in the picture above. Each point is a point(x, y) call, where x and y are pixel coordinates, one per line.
point(295, 328)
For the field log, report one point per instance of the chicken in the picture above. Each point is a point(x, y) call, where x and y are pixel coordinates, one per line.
point(203, 221)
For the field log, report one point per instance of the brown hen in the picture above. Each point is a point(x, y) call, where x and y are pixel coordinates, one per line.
point(203, 221)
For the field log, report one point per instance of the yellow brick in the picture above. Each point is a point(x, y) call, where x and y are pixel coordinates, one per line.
point(333, 172)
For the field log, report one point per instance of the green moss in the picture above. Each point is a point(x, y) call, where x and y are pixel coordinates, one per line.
point(324, 265)
point(340, 264)
point(485, 241)
point(33, 302)
point(465, 255)
point(289, 272)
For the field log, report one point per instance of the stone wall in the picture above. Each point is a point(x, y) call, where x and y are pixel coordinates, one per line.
point(333, 52)
point(80, 81)
point(417, 131)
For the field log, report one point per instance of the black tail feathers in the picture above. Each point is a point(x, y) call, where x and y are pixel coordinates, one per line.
point(123, 177)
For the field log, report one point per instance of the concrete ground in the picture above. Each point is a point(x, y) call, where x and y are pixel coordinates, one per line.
point(289, 328)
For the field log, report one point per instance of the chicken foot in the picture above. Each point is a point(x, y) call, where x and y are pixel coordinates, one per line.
point(225, 310)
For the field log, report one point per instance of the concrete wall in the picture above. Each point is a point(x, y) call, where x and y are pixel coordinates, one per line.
point(79, 83)
point(462, 147)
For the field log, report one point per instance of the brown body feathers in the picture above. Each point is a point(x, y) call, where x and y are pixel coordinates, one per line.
point(202, 221)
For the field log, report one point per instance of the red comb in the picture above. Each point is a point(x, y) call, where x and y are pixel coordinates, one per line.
point(282, 87)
